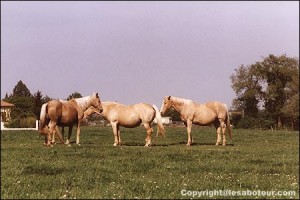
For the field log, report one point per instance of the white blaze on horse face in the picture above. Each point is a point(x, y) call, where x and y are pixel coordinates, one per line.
point(165, 106)
point(162, 108)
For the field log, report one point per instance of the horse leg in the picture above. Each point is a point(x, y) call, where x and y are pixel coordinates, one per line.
point(223, 129)
point(115, 132)
point(218, 130)
point(52, 127)
point(119, 135)
point(69, 135)
point(53, 137)
point(62, 132)
point(46, 141)
point(78, 133)
point(189, 132)
point(149, 132)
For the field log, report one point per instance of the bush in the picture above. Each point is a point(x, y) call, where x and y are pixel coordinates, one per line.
point(247, 122)
point(27, 122)
point(15, 123)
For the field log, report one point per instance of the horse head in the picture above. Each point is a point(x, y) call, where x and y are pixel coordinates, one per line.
point(166, 104)
point(96, 102)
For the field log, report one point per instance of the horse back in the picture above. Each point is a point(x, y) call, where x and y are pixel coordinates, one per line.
point(145, 111)
point(220, 109)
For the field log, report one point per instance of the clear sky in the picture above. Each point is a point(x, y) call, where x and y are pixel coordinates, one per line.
point(134, 52)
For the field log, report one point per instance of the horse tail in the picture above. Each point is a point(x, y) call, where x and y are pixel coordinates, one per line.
point(228, 125)
point(43, 118)
point(160, 126)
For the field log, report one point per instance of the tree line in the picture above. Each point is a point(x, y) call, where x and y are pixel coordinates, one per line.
point(267, 92)
point(267, 95)
point(27, 106)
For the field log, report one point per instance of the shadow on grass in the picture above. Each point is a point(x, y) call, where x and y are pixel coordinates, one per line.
point(171, 144)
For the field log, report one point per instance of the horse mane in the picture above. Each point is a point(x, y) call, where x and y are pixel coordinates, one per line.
point(181, 100)
point(82, 102)
point(110, 102)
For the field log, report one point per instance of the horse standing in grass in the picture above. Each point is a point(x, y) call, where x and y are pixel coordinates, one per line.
point(215, 113)
point(131, 116)
point(65, 113)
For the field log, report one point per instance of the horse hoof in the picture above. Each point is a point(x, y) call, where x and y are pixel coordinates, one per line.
point(69, 145)
point(188, 144)
point(115, 144)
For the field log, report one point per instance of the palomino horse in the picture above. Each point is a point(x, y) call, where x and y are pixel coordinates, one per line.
point(201, 114)
point(65, 113)
point(91, 110)
point(131, 116)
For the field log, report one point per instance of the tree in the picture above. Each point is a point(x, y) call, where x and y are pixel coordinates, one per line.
point(38, 102)
point(74, 95)
point(268, 91)
point(46, 99)
point(21, 90)
point(23, 101)
point(246, 84)
point(290, 109)
point(278, 73)
point(173, 114)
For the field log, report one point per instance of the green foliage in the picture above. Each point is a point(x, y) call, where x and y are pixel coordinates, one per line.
point(271, 85)
point(21, 90)
point(27, 106)
point(74, 95)
point(173, 114)
point(259, 160)
point(28, 122)
point(14, 123)
point(37, 103)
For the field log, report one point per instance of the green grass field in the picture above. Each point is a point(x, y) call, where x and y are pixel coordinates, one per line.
point(259, 160)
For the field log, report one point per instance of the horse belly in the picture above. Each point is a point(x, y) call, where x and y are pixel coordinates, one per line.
point(130, 123)
point(67, 120)
point(204, 120)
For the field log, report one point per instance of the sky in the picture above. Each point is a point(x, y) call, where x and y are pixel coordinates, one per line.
point(134, 52)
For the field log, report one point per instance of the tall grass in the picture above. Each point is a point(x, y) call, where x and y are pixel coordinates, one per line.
point(259, 160)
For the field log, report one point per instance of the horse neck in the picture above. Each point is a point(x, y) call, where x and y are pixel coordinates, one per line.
point(178, 103)
point(84, 103)
point(106, 106)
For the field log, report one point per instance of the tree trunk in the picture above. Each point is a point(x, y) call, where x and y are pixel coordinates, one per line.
point(279, 123)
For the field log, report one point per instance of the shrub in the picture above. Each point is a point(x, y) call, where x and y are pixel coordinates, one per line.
point(28, 122)
point(15, 123)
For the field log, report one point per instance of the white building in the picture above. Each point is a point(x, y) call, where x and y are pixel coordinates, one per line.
point(165, 120)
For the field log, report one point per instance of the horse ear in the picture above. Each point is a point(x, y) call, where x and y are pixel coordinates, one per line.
point(169, 97)
point(97, 95)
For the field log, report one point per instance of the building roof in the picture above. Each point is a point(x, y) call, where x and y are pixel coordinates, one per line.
point(6, 104)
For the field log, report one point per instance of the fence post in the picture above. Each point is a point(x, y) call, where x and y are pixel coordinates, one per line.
point(36, 124)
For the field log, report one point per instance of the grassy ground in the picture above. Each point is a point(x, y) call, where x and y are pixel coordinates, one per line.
point(259, 160)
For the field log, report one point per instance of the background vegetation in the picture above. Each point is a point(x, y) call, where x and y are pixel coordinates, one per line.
point(267, 96)
point(267, 92)
point(259, 160)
